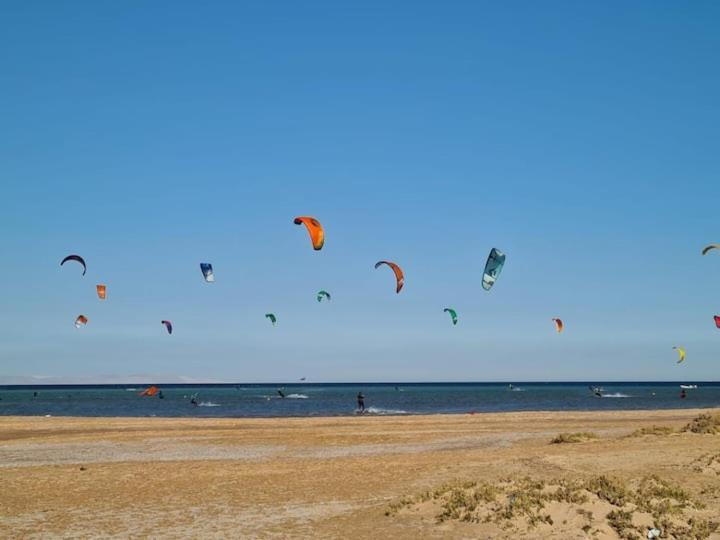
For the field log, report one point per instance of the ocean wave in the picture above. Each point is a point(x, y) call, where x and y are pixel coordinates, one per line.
point(616, 395)
point(517, 389)
point(296, 396)
point(380, 411)
point(208, 404)
point(131, 389)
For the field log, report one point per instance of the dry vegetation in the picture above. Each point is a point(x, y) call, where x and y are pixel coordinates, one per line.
point(708, 463)
point(652, 430)
point(594, 505)
point(580, 436)
point(705, 423)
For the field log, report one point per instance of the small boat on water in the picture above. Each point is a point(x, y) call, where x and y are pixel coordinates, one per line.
point(688, 386)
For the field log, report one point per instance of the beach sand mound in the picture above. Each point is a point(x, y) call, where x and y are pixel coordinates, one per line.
point(598, 506)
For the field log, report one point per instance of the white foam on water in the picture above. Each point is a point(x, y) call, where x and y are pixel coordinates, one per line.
point(380, 411)
point(208, 404)
point(296, 396)
point(616, 395)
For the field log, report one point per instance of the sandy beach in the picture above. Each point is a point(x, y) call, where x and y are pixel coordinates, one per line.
point(403, 477)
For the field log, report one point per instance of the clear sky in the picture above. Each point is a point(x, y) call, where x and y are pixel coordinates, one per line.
point(580, 138)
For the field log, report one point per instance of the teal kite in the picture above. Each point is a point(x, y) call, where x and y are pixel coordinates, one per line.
point(453, 314)
point(323, 294)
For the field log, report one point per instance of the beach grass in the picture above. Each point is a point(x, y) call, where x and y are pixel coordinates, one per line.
point(532, 503)
point(577, 437)
point(652, 430)
point(705, 423)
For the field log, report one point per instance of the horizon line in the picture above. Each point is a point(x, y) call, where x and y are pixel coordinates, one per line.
point(150, 382)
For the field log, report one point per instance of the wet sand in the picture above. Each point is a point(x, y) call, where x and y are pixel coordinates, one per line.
point(317, 477)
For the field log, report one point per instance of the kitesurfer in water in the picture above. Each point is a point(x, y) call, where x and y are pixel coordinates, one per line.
point(683, 394)
point(361, 402)
point(281, 393)
point(193, 400)
point(160, 395)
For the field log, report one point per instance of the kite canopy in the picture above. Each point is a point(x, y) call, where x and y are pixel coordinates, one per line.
point(493, 267)
point(323, 294)
point(453, 314)
point(711, 246)
point(272, 317)
point(681, 354)
point(399, 276)
point(81, 320)
point(150, 391)
point(101, 291)
point(76, 258)
point(315, 230)
point(207, 272)
point(558, 325)
point(168, 325)
point(717, 321)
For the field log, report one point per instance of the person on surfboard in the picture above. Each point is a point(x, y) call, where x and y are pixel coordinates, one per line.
point(361, 402)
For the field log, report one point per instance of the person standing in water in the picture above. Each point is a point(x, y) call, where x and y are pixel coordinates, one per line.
point(361, 402)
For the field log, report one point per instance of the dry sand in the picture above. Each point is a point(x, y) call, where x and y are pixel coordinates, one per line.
point(328, 477)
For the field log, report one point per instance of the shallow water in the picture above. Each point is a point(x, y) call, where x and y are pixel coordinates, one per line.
point(339, 399)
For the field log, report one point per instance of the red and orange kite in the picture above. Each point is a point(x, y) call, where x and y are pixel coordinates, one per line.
point(317, 234)
point(151, 391)
point(399, 276)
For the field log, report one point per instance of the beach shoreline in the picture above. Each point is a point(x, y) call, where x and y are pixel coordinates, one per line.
point(321, 477)
point(487, 414)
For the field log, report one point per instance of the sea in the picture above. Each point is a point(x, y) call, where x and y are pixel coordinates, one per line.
point(340, 399)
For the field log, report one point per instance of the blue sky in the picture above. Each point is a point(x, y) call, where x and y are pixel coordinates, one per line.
point(580, 138)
